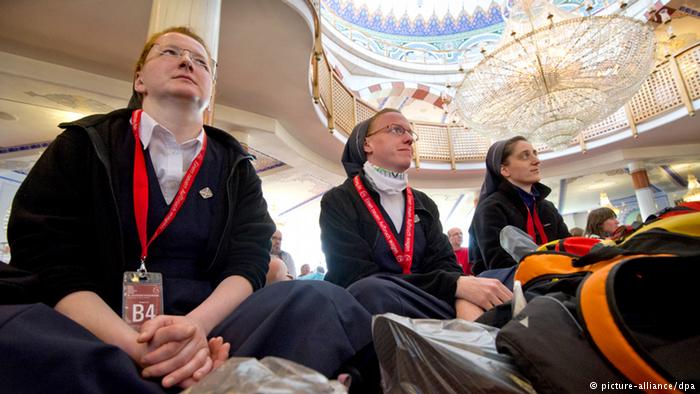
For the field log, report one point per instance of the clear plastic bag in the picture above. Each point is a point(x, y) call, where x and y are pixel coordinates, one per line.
point(516, 242)
point(442, 356)
point(245, 375)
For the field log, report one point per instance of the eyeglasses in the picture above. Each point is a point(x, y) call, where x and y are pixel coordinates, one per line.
point(397, 130)
point(177, 53)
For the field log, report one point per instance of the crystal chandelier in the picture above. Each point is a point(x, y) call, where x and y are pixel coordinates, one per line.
point(554, 73)
point(693, 189)
point(605, 203)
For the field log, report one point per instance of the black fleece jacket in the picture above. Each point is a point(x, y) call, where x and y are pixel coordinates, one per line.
point(65, 225)
point(349, 235)
point(505, 207)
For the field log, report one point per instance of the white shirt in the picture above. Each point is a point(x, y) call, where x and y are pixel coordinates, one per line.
point(170, 159)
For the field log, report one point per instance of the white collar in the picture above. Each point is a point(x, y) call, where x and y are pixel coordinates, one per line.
point(385, 180)
point(148, 125)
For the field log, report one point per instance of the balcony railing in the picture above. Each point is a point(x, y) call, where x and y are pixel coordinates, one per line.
point(675, 82)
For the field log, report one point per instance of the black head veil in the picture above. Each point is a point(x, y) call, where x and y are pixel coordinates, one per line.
point(354, 156)
point(493, 176)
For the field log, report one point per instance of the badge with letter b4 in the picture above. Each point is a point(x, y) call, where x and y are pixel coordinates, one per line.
point(142, 297)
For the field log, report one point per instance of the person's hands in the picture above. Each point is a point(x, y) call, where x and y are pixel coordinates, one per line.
point(482, 292)
point(178, 348)
point(465, 310)
point(218, 350)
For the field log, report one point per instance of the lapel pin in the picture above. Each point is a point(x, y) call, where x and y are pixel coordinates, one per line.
point(206, 193)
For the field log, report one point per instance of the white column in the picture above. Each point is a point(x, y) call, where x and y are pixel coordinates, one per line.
point(202, 16)
point(644, 193)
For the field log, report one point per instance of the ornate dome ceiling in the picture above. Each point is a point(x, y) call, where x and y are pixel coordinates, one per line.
point(424, 31)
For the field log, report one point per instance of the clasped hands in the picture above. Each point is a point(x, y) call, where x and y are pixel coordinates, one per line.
point(475, 295)
point(176, 348)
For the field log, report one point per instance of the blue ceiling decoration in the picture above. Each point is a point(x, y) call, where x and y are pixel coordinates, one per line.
point(418, 27)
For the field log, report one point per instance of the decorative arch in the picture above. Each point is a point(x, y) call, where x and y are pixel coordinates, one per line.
point(416, 91)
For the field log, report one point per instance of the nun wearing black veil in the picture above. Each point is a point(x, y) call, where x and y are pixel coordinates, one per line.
point(511, 195)
point(383, 240)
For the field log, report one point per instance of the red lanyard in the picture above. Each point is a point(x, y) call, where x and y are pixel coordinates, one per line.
point(405, 257)
point(141, 189)
point(538, 224)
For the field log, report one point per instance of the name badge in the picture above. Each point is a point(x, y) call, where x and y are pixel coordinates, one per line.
point(142, 297)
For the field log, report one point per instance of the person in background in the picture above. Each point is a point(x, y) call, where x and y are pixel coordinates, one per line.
point(511, 195)
point(277, 271)
point(286, 257)
point(602, 223)
point(318, 274)
point(456, 238)
point(576, 232)
point(305, 269)
point(383, 239)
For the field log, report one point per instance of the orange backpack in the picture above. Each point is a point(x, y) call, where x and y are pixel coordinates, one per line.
point(636, 301)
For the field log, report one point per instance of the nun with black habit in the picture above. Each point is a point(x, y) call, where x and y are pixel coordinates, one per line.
point(511, 195)
point(383, 239)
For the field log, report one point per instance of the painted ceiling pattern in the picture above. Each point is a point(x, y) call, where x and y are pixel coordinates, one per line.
point(415, 25)
point(421, 34)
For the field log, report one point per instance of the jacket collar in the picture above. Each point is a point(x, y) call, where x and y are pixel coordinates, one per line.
point(510, 191)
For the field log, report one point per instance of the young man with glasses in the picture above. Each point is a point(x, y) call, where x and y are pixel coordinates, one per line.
point(143, 213)
point(383, 240)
